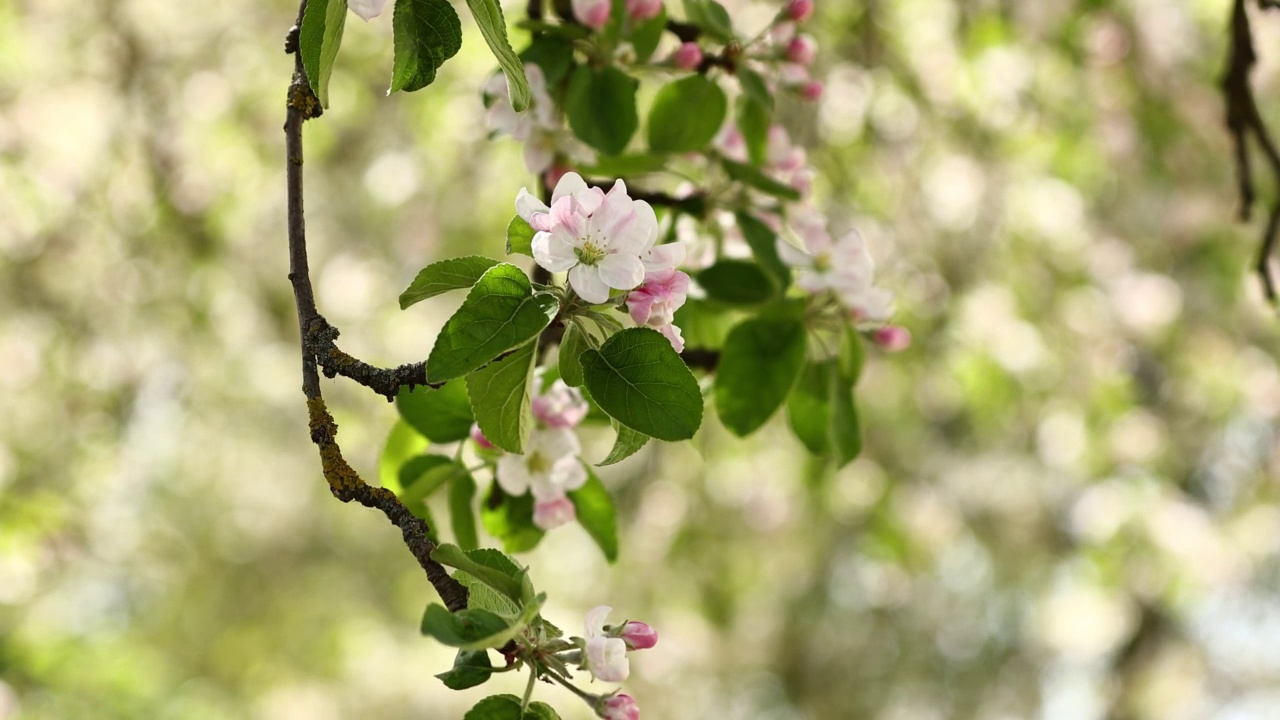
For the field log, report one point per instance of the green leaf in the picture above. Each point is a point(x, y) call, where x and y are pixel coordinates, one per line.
point(753, 121)
point(507, 707)
point(572, 345)
point(442, 415)
point(809, 407)
point(646, 35)
point(423, 475)
point(493, 27)
point(601, 106)
point(627, 444)
point(467, 629)
point(318, 42)
point(703, 324)
point(756, 178)
point(500, 398)
point(520, 237)
point(510, 519)
point(500, 313)
point(822, 409)
point(639, 380)
point(553, 54)
point(403, 442)
point(462, 491)
point(686, 115)
point(441, 277)
point(764, 247)
point(760, 362)
point(484, 597)
point(486, 565)
point(711, 17)
point(628, 165)
point(737, 282)
point(597, 515)
point(470, 668)
point(427, 32)
point(754, 87)
point(846, 431)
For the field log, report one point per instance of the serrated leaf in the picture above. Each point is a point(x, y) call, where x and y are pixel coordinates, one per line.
point(403, 442)
point(426, 32)
point(686, 115)
point(764, 246)
point(500, 401)
point(470, 668)
point(639, 380)
point(601, 106)
point(482, 596)
point(756, 178)
point(468, 629)
point(442, 414)
point(318, 42)
point(510, 519)
point(760, 362)
point(462, 492)
point(501, 313)
point(737, 282)
point(597, 515)
point(441, 277)
point(507, 707)
point(493, 27)
point(486, 565)
point(627, 443)
point(520, 237)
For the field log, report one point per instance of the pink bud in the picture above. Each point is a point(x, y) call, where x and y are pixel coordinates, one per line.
point(644, 9)
point(479, 438)
point(688, 56)
point(553, 513)
point(639, 636)
point(620, 707)
point(592, 13)
point(811, 90)
point(800, 10)
point(802, 49)
point(892, 338)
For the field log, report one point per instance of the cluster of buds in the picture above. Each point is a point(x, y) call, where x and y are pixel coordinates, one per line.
point(604, 654)
point(595, 13)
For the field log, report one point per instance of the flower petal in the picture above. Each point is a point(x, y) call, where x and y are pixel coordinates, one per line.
point(528, 205)
point(585, 280)
point(621, 272)
point(552, 252)
point(571, 184)
point(513, 475)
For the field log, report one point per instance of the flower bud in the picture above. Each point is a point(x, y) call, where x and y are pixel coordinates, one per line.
point(802, 49)
point(644, 9)
point(811, 90)
point(550, 514)
point(639, 636)
point(800, 10)
point(480, 440)
point(892, 338)
point(688, 56)
point(592, 13)
point(620, 707)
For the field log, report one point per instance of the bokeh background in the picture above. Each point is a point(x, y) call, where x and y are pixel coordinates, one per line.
point(1066, 505)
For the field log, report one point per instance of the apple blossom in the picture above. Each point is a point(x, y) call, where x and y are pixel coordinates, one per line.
point(367, 9)
point(538, 127)
point(592, 13)
point(639, 636)
point(800, 10)
point(688, 56)
point(548, 467)
point(644, 9)
point(560, 406)
point(731, 144)
point(606, 656)
point(802, 49)
point(548, 514)
point(654, 303)
point(620, 707)
point(597, 237)
point(892, 338)
point(843, 266)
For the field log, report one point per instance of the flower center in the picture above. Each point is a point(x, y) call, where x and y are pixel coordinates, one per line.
point(537, 463)
point(590, 253)
point(822, 262)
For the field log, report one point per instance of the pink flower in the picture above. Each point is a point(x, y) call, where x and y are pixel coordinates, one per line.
point(842, 266)
point(606, 656)
point(811, 90)
point(560, 406)
point(802, 49)
point(538, 128)
point(548, 514)
point(892, 338)
point(592, 13)
point(366, 9)
point(655, 302)
point(549, 466)
point(800, 10)
point(478, 437)
point(620, 707)
point(688, 56)
point(644, 9)
point(639, 636)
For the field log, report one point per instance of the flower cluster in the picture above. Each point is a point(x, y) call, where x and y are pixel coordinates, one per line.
point(604, 655)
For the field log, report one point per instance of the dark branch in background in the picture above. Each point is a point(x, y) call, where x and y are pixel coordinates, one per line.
point(701, 359)
point(316, 335)
point(1244, 119)
point(684, 31)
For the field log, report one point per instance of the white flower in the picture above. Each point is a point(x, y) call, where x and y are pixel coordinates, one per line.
point(560, 406)
point(549, 466)
point(606, 657)
point(548, 514)
point(842, 266)
point(366, 9)
point(539, 127)
point(597, 237)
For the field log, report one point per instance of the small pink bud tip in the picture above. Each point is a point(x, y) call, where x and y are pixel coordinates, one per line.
point(621, 707)
point(644, 9)
point(479, 438)
point(892, 338)
point(592, 13)
point(639, 636)
point(688, 56)
point(800, 10)
point(802, 49)
point(811, 90)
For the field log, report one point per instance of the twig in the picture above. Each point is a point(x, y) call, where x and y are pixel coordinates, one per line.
point(344, 482)
point(333, 361)
point(687, 32)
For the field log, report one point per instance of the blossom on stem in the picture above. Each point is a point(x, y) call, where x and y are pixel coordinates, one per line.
point(644, 9)
point(597, 237)
point(639, 636)
point(592, 13)
point(654, 303)
point(367, 9)
point(606, 656)
point(538, 127)
point(688, 56)
point(620, 707)
point(548, 514)
point(842, 266)
point(549, 466)
point(560, 406)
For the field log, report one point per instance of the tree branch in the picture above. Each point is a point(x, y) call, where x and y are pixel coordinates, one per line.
point(333, 361)
point(314, 332)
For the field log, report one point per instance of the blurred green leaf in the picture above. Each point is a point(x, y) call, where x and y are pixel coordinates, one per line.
point(597, 515)
point(318, 42)
point(601, 106)
point(462, 493)
point(686, 115)
point(510, 519)
point(493, 26)
point(737, 282)
point(442, 414)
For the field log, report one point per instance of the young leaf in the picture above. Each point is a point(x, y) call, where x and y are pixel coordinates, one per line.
point(627, 444)
point(809, 407)
point(754, 87)
point(764, 247)
point(499, 395)
point(442, 415)
point(737, 282)
point(753, 121)
point(639, 380)
point(761, 359)
point(601, 105)
point(427, 32)
point(441, 277)
point(462, 491)
point(510, 519)
point(821, 409)
point(572, 345)
point(519, 237)
point(403, 442)
point(500, 313)
point(507, 707)
point(423, 475)
point(597, 515)
point(756, 178)
point(470, 668)
point(488, 15)
point(846, 432)
point(711, 17)
point(468, 629)
point(318, 41)
point(501, 575)
point(646, 35)
point(686, 115)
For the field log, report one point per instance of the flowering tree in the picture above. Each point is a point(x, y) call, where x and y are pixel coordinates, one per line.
point(721, 265)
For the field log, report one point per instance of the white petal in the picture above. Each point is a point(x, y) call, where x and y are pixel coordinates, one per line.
point(640, 234)
point(556, 443)
point(367, 9)
point(792, 255)
point(538, 155)
point(527, 204)
point(513, 475)
point(552, 252)
point(568, 474)
point(586, 281)
point(621, 272)
point(571, 184)
point(664, 257)
point(594, 622)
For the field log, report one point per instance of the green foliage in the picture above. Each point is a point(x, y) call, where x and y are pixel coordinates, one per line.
point(646, 35)
point(318, 42)
point(501, 313)
point(486, 565)
point(763, 244)
point(640, 381)
point(759, 364)
point(427, 32)
point(686, 115)
point(470, 668)
point(520, 237)
point(711, 17)
point(469, 629)
point(597, 515)
point(441, 277)
point(753, 119)
point(628, 443)
point(822, 409)
point(551, 53)
point(738, 282)
point(488, 15)
point(574, 342)
point(754, 177)
point(628, 165)
point(500, 401)
point(403, 442)
point(601, 106)
point(507, 707)
point(462, 493)
point(441, 415)
point(510, 519)
point(423, 475)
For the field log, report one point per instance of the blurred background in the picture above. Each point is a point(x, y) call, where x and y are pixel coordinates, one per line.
point(1066, 505)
